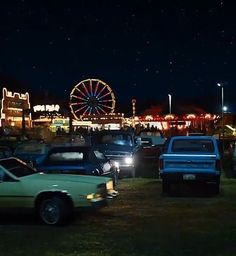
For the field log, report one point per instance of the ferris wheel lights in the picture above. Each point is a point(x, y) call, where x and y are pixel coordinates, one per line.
point(96, 96)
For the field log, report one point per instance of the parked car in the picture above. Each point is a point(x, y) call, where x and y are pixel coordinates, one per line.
point(68, 140)
point(31, 151)
point(53, 197)
point(156, 137)
point(5, 152)
point(119, 146)
point(78, 160)
point(11, 141)
point(148, 150)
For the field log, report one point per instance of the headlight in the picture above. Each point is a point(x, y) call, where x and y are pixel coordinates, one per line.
point(90, 196)
point(128, 160)
point(109, 185)
point(106, 167)
point(116, 164)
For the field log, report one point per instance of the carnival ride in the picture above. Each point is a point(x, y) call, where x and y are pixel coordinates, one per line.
point(91, 96)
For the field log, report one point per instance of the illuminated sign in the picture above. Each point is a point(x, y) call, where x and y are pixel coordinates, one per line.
point(49, 108)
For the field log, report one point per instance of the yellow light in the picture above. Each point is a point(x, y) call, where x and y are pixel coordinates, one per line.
point(109, 185)
point(90, 196)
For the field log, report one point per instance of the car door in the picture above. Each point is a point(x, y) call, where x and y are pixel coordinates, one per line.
point(69, 162)
point(12, 192)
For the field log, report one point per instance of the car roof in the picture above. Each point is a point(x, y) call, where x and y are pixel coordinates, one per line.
point(194, 137)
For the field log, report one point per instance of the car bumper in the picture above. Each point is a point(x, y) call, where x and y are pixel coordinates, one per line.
point(100, 202)
point(96, 204)
point(191, 177)
point(127, 170)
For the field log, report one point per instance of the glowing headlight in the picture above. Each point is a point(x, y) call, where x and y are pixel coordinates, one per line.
point(90, 196)
point(116, 164)
point(109, 185)
point(128, 160)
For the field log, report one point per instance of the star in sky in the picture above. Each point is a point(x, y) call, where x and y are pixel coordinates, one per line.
point(143, 50)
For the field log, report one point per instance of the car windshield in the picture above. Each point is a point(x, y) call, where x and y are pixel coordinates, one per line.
point(146, 141)
point(113, 139)
point(71, 140)
point(192, 145)
point(17, 168)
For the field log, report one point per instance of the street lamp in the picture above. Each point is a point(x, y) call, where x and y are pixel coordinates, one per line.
point(169, 96)
point(222, 112)
point(225, 108)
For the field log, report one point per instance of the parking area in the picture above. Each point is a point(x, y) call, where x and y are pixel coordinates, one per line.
point(140, 222)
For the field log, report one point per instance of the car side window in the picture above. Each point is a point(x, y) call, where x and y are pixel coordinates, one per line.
point(66, 156)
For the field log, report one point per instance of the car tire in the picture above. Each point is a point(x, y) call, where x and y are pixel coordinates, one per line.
point(165, 186)
point(215, 189)
point(54, 211)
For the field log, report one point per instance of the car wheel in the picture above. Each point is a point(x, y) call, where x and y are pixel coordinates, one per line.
point(215, 188)
point(53, 211)
point(165, 186)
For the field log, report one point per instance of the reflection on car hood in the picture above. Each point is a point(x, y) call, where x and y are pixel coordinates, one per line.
point(64, 178)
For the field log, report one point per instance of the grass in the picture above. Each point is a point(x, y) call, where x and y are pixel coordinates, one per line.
point(141, 221)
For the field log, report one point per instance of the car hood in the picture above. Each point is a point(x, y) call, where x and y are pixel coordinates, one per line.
point(108, 148)
point(67, 178)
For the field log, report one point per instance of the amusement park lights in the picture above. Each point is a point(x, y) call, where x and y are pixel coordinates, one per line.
point(91, 96)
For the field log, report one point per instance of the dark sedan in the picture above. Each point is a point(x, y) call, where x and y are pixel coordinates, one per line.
point(83, 160)
point(5, 152)
point(31, 151)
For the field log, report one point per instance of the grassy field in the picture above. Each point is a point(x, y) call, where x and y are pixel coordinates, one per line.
point(141, 221)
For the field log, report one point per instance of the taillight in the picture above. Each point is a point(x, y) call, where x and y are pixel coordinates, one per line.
point(218, 165)
point(161, 164)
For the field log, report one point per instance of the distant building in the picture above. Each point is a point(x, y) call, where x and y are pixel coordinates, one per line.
point(12, 106)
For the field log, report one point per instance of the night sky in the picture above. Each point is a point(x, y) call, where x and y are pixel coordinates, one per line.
point(142, 49)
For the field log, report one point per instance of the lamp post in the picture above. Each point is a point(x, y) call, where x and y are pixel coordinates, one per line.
point(222, 113)
point(169, 96)
point(133, 109)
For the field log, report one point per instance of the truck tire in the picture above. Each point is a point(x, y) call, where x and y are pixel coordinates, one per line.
point(165, 186)
point(215, 188)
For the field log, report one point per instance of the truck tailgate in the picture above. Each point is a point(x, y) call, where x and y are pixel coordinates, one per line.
point(189, 163)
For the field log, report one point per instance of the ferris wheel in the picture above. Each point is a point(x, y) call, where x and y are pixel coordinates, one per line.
point(91, 96)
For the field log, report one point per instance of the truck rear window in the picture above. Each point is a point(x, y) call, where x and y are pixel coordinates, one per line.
point(192, 145)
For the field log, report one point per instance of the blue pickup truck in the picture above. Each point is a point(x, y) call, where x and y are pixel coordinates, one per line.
point(119, 146)
point(190, 159)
